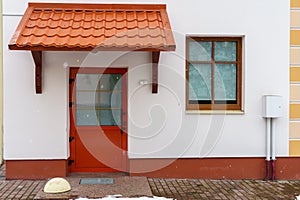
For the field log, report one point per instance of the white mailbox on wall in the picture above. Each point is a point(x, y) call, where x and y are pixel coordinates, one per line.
point(272, 106)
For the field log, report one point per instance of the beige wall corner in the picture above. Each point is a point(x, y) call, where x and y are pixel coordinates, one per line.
point(294, 126)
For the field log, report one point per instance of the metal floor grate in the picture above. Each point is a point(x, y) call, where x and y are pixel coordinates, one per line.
point(104, 181)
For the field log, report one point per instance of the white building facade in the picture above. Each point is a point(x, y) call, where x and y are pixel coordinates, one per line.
point(215, 132)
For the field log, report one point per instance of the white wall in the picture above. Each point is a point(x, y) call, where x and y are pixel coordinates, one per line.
point(35, 126)
point(1, 89)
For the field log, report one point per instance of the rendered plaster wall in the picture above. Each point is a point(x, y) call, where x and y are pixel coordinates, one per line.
point(36, 126)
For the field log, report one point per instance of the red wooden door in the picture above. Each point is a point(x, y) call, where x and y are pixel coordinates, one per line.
point(98, 119)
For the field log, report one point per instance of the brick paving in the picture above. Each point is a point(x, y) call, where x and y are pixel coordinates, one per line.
point(224, 189)
point(18, 189)
point(177, 188)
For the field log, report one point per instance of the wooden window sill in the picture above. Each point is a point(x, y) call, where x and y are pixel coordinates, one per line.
point(216, 112)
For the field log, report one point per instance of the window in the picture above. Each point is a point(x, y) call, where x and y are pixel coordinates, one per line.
point(213, 73)
point(98, 99)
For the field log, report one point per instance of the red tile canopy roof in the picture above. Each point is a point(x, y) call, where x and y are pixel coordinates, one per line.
point(84, 27)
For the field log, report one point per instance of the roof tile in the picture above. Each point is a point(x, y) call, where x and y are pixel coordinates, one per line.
point(76, 25)
point(51, 32)
point(132, 24)
point(35, 15)
point(88, 16)
point(154, 24)
point(143, 24)
point(99, 16)
point(110, 24)
point(109, 16)
point(120, 16)
point(143, 32)
point(78, 16)
point(109, 32)
point(99, 24)
point(57, 15)
point(69, 15)
point(141, 16)
point(130, 16)
point(152, 16)
point(45, 15)
point(55, 26)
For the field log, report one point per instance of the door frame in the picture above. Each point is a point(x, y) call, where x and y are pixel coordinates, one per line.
point(124, 128)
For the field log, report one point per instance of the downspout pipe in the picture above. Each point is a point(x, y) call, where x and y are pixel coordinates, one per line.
point(273, 135)
point(268, 150)
point(272, 108)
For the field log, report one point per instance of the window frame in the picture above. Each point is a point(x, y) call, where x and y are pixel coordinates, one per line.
point(239, 62)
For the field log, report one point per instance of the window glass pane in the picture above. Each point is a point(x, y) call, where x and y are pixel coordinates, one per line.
point(225, 82)
point(225, 51)
point(110, 117)
point(200, 51)
point(200, 82)
point(86, 117)
point(111, 82)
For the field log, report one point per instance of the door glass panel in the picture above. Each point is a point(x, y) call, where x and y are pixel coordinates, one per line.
point(86, 117)
point(98, 99)
point(86, 99)
point(87, 81)
point(116, 100)
point(110, 117)
point(111, 100)
point(110, 82)
point(105, 99)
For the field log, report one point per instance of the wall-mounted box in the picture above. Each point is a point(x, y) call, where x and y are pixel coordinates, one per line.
point(272, 106)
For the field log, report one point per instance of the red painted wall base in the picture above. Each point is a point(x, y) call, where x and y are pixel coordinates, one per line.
point(35, 169)
point(206, 168)
point(215, 168)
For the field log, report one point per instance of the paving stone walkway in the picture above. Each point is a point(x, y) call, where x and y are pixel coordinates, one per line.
point(224, 189)
point(177, 188)
point(18, 189)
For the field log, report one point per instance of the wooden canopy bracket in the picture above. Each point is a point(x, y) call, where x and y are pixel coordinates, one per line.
point(37, 58)
point(155, 60)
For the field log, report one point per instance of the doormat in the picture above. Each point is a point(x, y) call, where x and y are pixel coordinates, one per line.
point(104, 181)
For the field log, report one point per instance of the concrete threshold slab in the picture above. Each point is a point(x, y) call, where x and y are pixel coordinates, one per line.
point(123, 185)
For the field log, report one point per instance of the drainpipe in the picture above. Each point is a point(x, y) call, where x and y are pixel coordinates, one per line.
point(273, 149)
point(272, 108)
point(268, 153)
